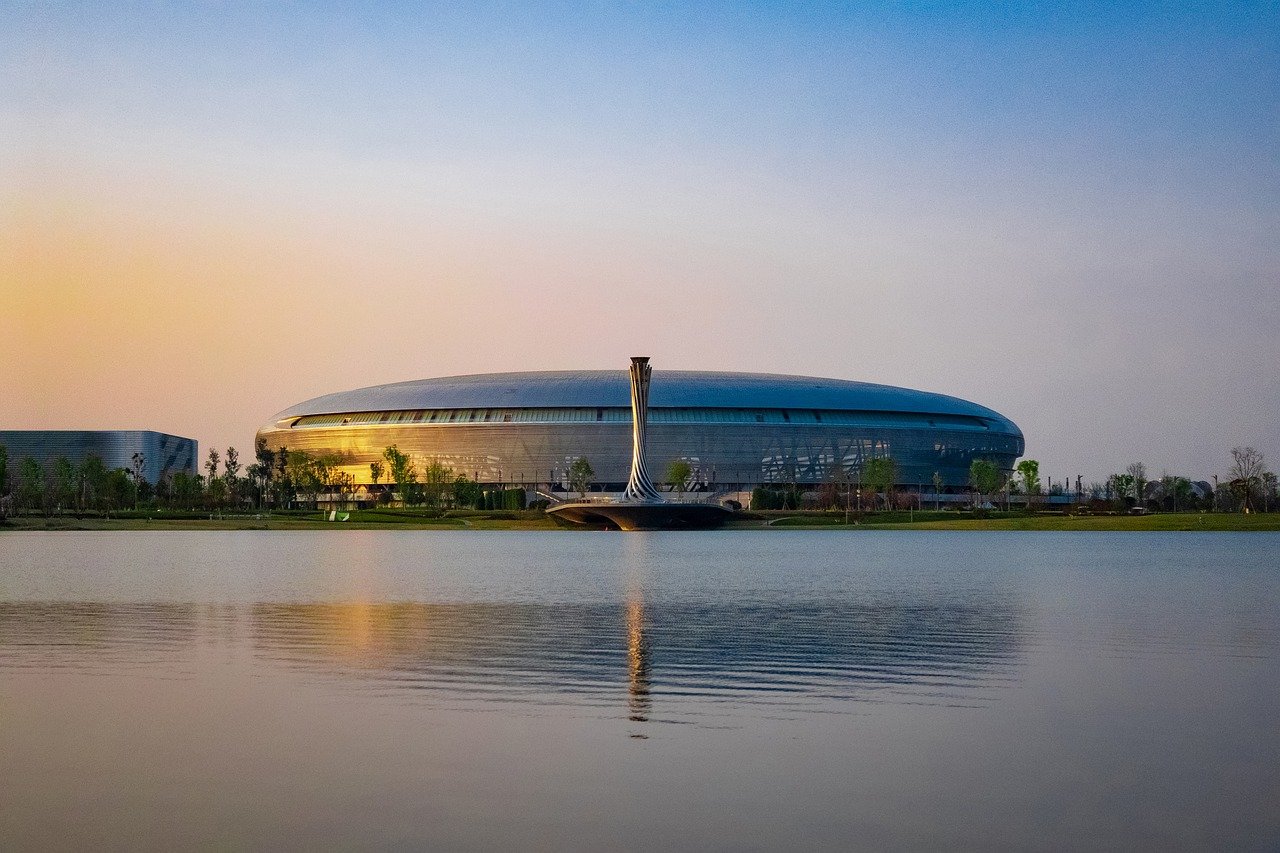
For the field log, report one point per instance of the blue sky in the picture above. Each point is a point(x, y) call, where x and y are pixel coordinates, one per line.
point(1068, 213)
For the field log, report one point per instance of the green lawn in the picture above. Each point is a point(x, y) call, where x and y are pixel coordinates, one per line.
point(1161, 521)
point(932, 521)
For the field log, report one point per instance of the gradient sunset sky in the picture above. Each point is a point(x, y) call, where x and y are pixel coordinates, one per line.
point(211, 211)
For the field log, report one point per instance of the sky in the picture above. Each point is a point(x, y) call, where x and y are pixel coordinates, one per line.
point(1069, 213)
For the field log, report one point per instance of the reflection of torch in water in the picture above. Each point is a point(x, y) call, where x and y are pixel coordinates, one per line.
point(639, 702)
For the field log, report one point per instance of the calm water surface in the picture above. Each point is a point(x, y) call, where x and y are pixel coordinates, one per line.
point(730, 690)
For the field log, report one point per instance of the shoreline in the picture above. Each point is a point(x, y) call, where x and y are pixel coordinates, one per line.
point(1157, 522)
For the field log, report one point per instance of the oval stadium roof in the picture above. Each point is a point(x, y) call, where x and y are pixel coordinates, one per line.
point(669, 389)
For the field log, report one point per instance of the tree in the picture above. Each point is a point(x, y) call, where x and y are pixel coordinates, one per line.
point(1029, 474)
point(181, 489)
point(284, 488)
point(30, 483)
point(343, 482)
point(1166, 489)
point(231, 473)
point(117, 488)
point(880, 473)
point(1121, 486)
point(136, 472)
point(184, 490)
point(4, 479)
point(402, 471)
point(835, 490)
point(265, 471)
point(1175, 492)
point(581, 476)
point(678, 474)
point(437, 481)
point(216, 492)
point(303, 475)
point(1269, 488)
point(64, 480)
point(211, 469)
point(325, 468)
point(332, 476)
point(937, 490)
point(1181, 492)
point(466, 492)
point(375, 472)
point(1138, 472)
point(986, 478)
point(1247, 469)
point(93, 475)
point(257, 476)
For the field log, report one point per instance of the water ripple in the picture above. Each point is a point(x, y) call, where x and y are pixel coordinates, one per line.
point(587, 654)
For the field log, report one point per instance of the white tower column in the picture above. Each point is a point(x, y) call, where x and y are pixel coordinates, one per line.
point(640, 488)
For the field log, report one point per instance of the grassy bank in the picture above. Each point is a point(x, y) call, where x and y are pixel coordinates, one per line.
point(1225, 522)
point(395, 519)
point(927, 520)
point(380, 519)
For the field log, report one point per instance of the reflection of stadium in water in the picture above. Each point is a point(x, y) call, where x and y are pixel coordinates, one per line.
point(583, 654)
point(576, 653)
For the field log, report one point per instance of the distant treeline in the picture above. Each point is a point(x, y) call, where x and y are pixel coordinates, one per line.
point(63, 486)
point(291, 479)
point(1250, 487)
point(280, 478)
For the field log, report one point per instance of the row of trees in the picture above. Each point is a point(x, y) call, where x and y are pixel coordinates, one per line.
point(875, 485)
point(292, 478)
point(227, 483)
point(280, 478)
point(63, 486)
point(436, 486)
point(581, 475)
point(285, 478)
point(1251, 487)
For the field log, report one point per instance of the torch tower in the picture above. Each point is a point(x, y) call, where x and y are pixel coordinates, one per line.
point(640, 488)
point(641, 506)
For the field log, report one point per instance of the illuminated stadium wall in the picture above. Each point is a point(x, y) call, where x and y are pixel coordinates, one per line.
point(735, 429)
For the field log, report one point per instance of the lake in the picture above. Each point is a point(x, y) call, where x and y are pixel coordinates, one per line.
point(591, 690)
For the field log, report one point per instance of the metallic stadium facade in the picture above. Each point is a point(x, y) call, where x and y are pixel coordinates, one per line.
point(736, 430)
point(162, 454)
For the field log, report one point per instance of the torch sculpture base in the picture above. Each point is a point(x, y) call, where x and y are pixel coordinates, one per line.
point(643, 516)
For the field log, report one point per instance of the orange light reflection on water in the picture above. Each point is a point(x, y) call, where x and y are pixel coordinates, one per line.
point(640, 703)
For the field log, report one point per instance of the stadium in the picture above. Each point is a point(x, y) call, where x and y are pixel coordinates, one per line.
point(736, 430)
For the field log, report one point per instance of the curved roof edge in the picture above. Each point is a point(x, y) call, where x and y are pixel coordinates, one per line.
point(669, 389)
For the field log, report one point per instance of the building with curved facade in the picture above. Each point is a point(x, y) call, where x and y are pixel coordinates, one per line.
point(735, 429)
point(160, 455)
